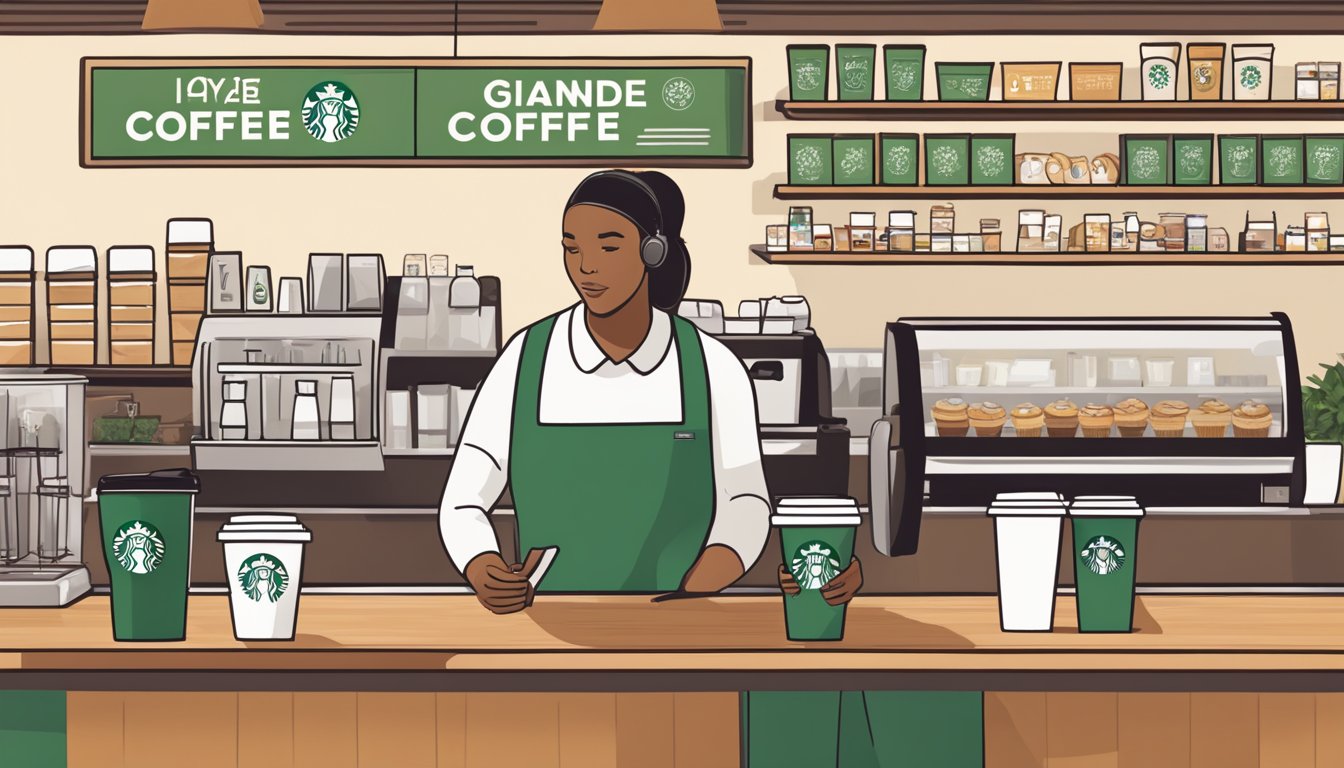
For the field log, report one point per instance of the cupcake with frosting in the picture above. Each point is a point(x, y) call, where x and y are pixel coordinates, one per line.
point(987, 418)
point(1131, 417)
point(1168, 418)
point(1028, 420)
point(1211, 418)
point(950, 417)
point(1061, 419)
point(1251, 419)
point(1096, 419)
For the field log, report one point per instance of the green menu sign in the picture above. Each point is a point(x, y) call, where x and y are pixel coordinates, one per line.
point(346, 112)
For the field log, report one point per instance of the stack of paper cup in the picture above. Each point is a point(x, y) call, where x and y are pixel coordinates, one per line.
point(1027, 530)
point(263, 561)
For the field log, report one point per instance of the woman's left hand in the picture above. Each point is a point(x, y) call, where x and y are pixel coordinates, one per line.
point(718, 567)
point(844, 587)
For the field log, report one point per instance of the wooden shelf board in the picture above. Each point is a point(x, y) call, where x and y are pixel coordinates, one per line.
point(1059, 192)
point(1061, 110)
point(1278, 259)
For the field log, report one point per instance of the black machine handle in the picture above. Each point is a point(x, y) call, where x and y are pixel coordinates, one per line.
point(766, 370)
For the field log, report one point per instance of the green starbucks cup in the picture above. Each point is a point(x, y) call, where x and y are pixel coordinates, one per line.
point(904, 69)
point(1105, 555)
point(817, 539)
point(854, 69)
point(146, 530)
point(809, 71)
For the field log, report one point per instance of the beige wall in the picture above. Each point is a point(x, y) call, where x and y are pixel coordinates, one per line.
point(505, 221)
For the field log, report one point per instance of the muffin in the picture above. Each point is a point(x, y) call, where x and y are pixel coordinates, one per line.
point(987, 418)
point(1251, 419)
point(1028, 420)
point(950, 417)
point(1096, 420)
point(1168, 418)
point(1131, 417)
point(1211, 418)
point(1061, 419)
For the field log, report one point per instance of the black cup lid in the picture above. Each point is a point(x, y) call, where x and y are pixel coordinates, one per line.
point(178, 480)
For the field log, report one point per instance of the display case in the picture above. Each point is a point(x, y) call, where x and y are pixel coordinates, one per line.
point(1246, 456)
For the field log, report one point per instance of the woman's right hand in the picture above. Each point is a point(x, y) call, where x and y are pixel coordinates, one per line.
point(786, 581)
point(500, 587)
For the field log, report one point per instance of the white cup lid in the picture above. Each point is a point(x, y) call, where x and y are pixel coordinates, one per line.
point(265, 536)
point(1106, 506)
point(817, 505)
point(1028, 503)
point(268, 518)
point(821, 521)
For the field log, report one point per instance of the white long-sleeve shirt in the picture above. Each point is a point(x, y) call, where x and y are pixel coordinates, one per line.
point(581, 385)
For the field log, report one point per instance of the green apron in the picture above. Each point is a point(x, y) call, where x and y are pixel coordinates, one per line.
point(629, 505)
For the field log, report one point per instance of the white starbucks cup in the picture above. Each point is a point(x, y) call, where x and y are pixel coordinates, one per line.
point(263, 562)
point(1027, 534)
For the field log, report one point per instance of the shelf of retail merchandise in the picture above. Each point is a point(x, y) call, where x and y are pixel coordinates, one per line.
point(1061, 110)
point(1058, 259)
point(1059, 192)
point(1221, 389)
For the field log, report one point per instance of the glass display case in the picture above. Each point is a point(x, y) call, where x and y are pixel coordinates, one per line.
point(1187, 414)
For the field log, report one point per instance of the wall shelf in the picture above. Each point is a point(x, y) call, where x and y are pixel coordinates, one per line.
point(1061, 110)
point(1058, 192)
point(1065, 259)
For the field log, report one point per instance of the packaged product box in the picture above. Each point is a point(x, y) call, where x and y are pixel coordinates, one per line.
point(947, 159)
point(809, 71)
point(1095, 81)
point(1252, 71)
point(1206, 70)
point(964, 81)
point(904, 69)
point(1030, 80)
point(810, 159)
point(1147, 159)
point(992, 158)
point(1281, 159)
point(855, 67)
point(1238, 159)
point(899, 158)
point(852, 162)
point(1192, 159)
point(1325, 159)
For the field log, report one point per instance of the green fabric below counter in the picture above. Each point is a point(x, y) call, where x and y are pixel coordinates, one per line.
point(32, 729)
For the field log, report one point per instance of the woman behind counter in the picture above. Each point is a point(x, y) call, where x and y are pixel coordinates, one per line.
point(629, 440)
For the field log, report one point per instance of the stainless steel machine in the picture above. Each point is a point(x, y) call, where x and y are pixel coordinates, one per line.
point(914, 470)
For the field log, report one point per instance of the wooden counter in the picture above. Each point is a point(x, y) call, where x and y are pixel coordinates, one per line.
point(627, 643)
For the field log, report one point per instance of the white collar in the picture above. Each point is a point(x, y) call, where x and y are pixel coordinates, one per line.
point(588, 356)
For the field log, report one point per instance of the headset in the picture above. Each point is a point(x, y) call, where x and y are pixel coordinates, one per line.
point(652, 248)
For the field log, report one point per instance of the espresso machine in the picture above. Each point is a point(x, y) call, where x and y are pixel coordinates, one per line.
point(43, 460)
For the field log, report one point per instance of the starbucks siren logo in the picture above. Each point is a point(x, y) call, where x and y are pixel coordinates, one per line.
point(1192, 159)
point(263, 577)
point(807, 75)
point(1103, 556)
point(990, 161)
point(1159, 76)
point(807, 161)
point(1145, 163)
point(855, 160)
point(1281, 160)
point(1241, 160)
point(1250, 77)
point(903, 75)
point(898, 159)
point(330, 112)
point(814, 565)
point(138, 547)
point(945, 160)
point(678, 94)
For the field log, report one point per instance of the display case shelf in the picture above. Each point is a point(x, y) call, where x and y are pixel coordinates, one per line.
point(905, 111)
point(305, 369)
point(1059, 192)
point(1106, 390)
point(1058, 259)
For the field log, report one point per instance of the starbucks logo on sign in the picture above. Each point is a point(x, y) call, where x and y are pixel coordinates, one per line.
point(899, 159)
point(1103, 555)
point(807, 75)
point(678, 94)
point(1281, 160)
point(903, 75)
point(945, 160)
point(814, 565)
point(263, 577)
point(330, 112)
point(1240, 158)
point(1192, 159)
point(1159, 76)
point(808, 162)
point(138, 547)
point(1250, 78)
point(990, 160)
point(1145, 162)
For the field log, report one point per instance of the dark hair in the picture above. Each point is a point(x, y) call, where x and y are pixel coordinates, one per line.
point(667, 282)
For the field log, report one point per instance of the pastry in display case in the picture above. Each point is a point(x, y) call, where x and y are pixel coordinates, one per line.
point(1183, 413)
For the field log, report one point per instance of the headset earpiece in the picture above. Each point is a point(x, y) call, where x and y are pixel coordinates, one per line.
point(653, 250)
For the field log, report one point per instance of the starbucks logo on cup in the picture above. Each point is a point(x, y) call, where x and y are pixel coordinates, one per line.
point(1103, 555)
point(814, 565)
point(263, 577)
point(330, 112)
point(678, 94)
point(1159, 76)
point(1250, 78)
point(138, 547)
